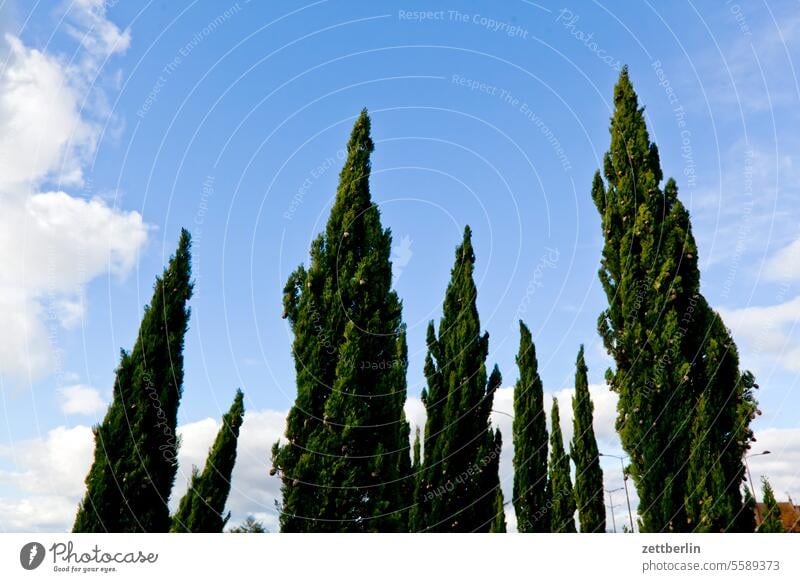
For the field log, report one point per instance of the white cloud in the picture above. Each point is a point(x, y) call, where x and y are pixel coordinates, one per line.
point(52, 244)
point(81, 399)
point(769, 332)
point(782, 465)
point(605, 411)
point(785, 264)
point(99, 37)
point(46, 478)
point(48, 473)
point(253, 490)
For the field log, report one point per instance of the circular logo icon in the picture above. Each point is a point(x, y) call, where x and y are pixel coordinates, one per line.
point(31, 555)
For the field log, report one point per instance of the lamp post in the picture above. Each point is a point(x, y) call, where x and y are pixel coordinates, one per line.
point(611, 504)
point(750, 478)
point(625, 482)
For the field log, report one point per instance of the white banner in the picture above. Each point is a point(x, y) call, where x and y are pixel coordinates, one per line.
point(390, 557)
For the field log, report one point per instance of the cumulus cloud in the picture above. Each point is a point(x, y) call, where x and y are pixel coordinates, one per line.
point(253, 490)
point(81, 399)
point(785, 264)
point(769, 332)
point(98, 36)
point(781, 466)
point(45, 476)
point(52, 243)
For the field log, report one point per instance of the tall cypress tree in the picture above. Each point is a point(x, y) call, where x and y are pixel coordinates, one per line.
point(136, 447)
point(346, 433)
point(721, 434)
point(584, 453)
point(201, 509)
point(498, 517)
point(457, 494)
point(414, 515)
point(562, 510)
point(771, 521)
point(657, 327)
point(746, 520)
point(529, 429)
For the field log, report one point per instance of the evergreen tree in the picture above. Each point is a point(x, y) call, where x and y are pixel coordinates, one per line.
point(662, 335)
point(529, 429)
point(458, 494)
point(499, 522)
point(562, 511)
point(498, 517)
point(414, 516)
point(771, 521)
point(201, 509)
point(346, 433)
point(746, 520)
point(136, 447)
point(584, 453)
point(721, 435)
point(249, 525)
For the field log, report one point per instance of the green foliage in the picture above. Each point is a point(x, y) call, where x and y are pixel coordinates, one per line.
point(674, 358)
point(746, 520)
point(414, 515)
point(529, 431)
point(136, 446)
point(563, 507)
point(343, 467)
point(249, 525)
point(202, 508)
point(460, 453)
point(771, 518)
point(584, 453)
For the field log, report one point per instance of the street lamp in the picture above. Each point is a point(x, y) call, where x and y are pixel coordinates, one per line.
point(611, 504)
point(750, 478)
point(625, 482)
point(501, 412)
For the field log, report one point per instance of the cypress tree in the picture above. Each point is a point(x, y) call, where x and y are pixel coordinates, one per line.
point(746, 520)
point(499, 522)
point(249, 525)
point(771, 521)
point(201, 509)
point(721, 435)
point(414, 516)
point(588, 473)
point(136, 447)
point(498, 517)
point(657, 327)
point(562, 511)
point(346, 433)
point(458, 494)
point(529, 429)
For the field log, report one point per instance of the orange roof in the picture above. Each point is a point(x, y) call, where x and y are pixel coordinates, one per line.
point(790, 515)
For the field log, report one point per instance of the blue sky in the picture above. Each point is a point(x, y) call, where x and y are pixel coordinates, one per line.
point(121, 122)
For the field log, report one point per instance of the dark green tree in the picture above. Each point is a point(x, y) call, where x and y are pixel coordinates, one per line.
point(529, 429)
point(346, 435)
point(661, 333)
point(562, 509)
point(459, 470)
point(721, 434)
point(136, 447)
point(202, 508)
point(249, 525)
point(498, 518)
point(771, 521)
point(414, 516)
point(584, 453)
point(499, 522)
point(746, 520)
